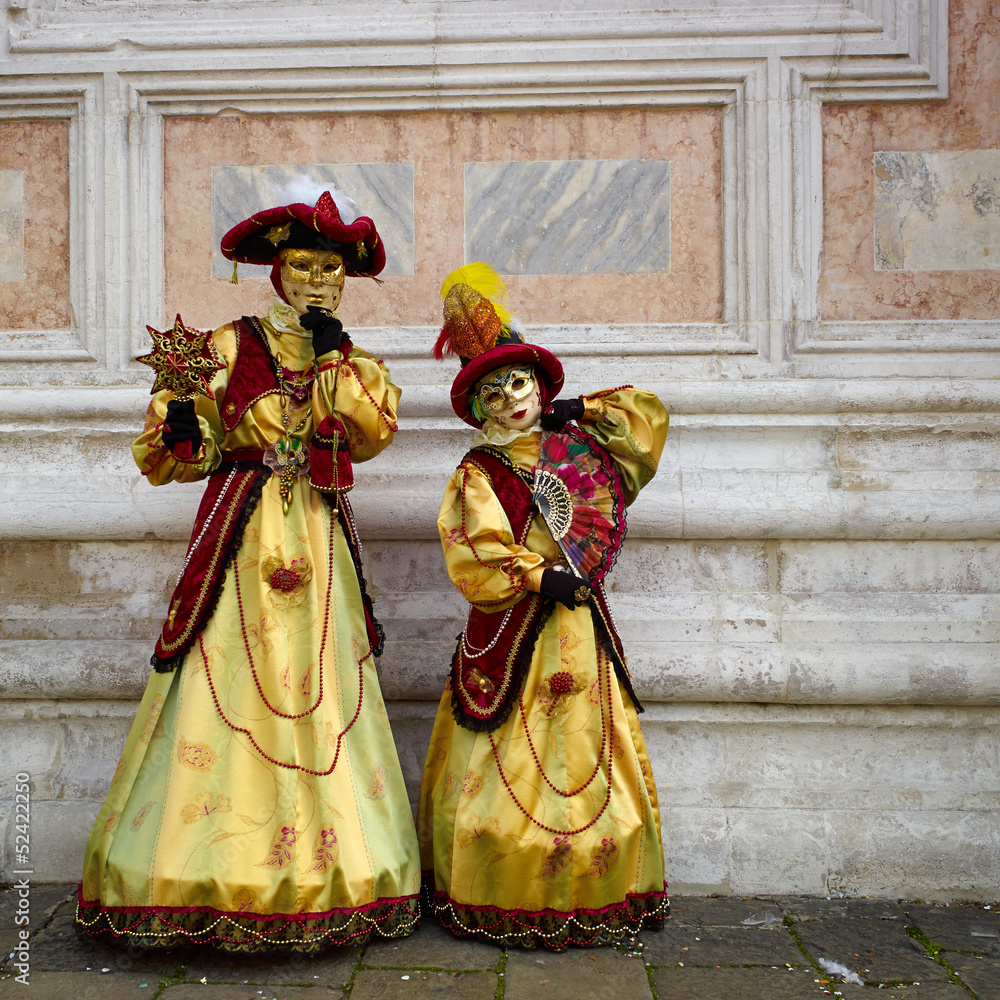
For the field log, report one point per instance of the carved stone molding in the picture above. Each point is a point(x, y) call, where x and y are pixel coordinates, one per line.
point(771, 66)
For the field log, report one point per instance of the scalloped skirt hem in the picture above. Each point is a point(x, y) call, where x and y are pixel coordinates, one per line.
point(554, 929)
point(157, 927)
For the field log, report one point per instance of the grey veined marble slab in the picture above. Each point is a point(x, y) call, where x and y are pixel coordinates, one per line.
point(569, 216)
point(11, 225)
point(937, 210)
point(382, 191)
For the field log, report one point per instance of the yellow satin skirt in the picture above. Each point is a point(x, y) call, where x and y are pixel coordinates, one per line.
point(546, 831)
point(259, 803)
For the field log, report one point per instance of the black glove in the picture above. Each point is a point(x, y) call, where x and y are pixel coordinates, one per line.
point(560, 412)
point(181, 425)
point(567, 588)
point(327, 330)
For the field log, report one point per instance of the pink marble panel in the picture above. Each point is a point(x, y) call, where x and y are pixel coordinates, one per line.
point(439, 145)
point(850, 287)
point(42, 300)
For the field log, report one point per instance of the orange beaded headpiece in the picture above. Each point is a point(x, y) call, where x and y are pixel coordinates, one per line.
point(478, 328)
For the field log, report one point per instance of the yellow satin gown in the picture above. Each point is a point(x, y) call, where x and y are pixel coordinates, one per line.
point(259, 802)
point(507, 854)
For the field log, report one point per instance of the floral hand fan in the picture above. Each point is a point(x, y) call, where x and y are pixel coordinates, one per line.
point(578, 492)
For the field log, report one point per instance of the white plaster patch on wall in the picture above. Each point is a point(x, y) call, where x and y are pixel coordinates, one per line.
point(937, 211)
point(11, 225)
point(382, 191)
point(569, 216)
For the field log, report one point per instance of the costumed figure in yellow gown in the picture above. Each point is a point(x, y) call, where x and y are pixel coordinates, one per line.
point(259, 804)
point(538, 818)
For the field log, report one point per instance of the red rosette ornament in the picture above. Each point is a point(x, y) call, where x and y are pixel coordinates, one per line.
point(578, 492)
point(184, 360)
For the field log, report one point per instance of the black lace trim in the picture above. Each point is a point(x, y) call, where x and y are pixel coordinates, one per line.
point(154, 928)
point(607, 643)
point(165, 666)
point(518, 674)
point(504, 459)
point(549, 928)
point(332, 501)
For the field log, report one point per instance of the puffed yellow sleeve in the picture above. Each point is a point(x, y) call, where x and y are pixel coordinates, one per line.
point(631, 424)
point(357, 390)
point(487, 565)
point(155, 460)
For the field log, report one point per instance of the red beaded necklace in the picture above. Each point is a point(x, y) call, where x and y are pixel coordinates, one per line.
point(607, 740)
point(326, 628)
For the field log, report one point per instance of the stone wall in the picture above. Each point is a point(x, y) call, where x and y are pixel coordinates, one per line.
point(781, 218)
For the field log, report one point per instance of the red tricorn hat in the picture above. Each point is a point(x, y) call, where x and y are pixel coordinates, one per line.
point(259, 239)
point(477, 328)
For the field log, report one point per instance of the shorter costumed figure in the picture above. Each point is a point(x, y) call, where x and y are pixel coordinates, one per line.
point(259, 804)
point(538, 820)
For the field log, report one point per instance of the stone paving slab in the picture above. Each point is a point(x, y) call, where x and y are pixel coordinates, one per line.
point(382, 984)
point(8, 939)
point(333, 968)
point(818, 908)
point(41, 899)
point(925, 991)
point(959, 928)
point(721, 946)
point(880, 950)
point(982, 976)
point(80, 986)
point(432, 947)
point(216, 991)
point(721, 911)
point(57, 948)
point(740, 984)
point(594, 973)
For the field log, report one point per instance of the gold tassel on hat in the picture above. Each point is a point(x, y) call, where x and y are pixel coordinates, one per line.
point(234, 280)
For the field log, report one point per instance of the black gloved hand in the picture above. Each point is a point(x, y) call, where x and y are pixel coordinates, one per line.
point(181, 424)
point(327, 330)
point(566, 587)
point(560, 412)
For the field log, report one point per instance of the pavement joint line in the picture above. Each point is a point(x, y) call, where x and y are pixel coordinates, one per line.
point(652, 984)
point(349, 986)
point(789, 923)
point(501, 969)
point(418, 968)
point(937, 953)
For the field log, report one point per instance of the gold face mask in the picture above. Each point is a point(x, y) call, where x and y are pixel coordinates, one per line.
point(511, 384)
point(317, 267)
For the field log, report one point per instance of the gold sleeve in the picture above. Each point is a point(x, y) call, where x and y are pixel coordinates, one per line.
point(155, 460)
point(631, 424)
point(357, 391)
point(485, 562)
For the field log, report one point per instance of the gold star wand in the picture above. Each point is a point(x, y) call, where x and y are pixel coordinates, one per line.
point(184, 360)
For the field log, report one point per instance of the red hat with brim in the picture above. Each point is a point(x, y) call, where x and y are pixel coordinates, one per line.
point(259, 239)
point(545, 363)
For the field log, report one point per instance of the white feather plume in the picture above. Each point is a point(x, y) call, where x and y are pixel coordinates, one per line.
point(306, 191)
point(836, 969)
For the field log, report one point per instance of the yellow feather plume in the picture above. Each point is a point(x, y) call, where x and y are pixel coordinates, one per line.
point(485, 280)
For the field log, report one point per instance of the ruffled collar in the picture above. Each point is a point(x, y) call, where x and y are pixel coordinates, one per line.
point(284, 319)
point(498, 436)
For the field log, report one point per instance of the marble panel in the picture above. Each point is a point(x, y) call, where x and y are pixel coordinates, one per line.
point(852, 287)
point(11, 225)
point(437, 146)
point(937, 210)
point(382, 191)
point(569, 216)
point(35, 225)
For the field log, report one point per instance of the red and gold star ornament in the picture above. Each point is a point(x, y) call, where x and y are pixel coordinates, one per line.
point(184, 360)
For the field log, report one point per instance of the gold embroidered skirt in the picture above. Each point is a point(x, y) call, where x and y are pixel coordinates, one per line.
point(546, 831)
point(259, 803)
